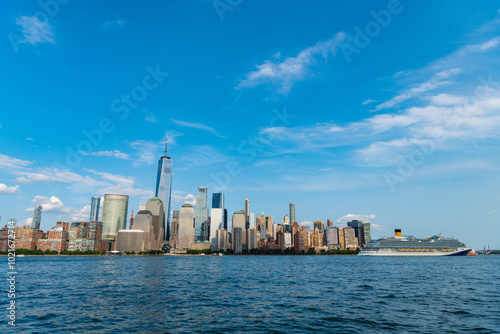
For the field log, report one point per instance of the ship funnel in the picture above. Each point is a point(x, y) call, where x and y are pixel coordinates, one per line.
point(397, 232)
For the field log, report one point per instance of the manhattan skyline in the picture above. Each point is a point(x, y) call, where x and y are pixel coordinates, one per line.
point(396, 125)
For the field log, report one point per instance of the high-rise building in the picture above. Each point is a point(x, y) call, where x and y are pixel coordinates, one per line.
point(216, 223)
point(225, 219)
point(292, 213)
point(94, 208)
point(320, 225)
point(164, 188)
point(37, 217)
point(218, 201)
point(143, 222)
point(237, 240)
point(155, 206)
point(174, 228)
point(114, 215)
point(221, 239)
point(332, 236)
point(358, 231)
point(247, 213)
point(252, 220)
point(350, 238)
point(185, 232)
point(252, 240)
point(367, 232)
point(201, 216)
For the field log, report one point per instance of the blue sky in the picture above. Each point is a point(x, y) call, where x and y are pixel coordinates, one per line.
point(383, 111)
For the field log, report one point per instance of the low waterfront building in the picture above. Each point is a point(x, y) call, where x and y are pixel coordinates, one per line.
point(131, 240)
point(56, 240)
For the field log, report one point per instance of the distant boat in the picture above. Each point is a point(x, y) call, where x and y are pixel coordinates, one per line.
point(472, 252)
point(400, 245)
point(220, 254)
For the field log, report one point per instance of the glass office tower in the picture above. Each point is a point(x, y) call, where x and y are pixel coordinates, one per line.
point(164, 189)
point(94, 209)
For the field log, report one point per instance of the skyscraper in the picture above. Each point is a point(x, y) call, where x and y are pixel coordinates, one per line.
point(37, 217)
point(216, 223)
point(218, 201)
point(155, 206)
point(94, 209)
point(164, 188)
point(292, 213)
point(185, 232)
point(114, 215)
point(247, 213)
point(201, 216)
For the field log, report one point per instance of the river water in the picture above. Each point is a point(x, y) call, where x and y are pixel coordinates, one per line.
point(241, 294)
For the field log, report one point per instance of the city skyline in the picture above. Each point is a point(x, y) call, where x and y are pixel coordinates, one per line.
point(345, 122)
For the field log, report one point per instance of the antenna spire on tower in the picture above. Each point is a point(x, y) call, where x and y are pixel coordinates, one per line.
point(166, 140)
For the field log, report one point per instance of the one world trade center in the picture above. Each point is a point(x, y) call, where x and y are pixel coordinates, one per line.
point(164, 188)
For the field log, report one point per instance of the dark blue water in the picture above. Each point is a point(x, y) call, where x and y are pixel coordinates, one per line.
point(272, 294)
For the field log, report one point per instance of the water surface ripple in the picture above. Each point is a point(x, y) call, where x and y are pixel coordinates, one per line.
point(272, 294)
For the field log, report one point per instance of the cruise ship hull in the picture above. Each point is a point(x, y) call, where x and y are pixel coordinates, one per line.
point(393, 252)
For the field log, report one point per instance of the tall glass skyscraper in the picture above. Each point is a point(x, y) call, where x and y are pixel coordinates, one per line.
point(94, 209)
point(164, 188)
point(114, 215)
point(218, 201)
point(37, 217)
point(201, 216)
point(216, 218)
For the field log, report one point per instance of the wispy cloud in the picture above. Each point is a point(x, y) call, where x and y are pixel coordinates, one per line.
point(147, 152)
point(11, 162)
point(4, 189)
point(35, 31)
point(115, 154)
point(151, 118)
point(113, 24)
point(436, 81)
point(284, 73)
point(197, 126)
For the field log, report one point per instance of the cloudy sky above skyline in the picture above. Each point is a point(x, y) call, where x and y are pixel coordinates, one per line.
point(383, 111)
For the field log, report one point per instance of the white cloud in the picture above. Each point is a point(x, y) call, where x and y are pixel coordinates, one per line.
point(30, 139)
point(369, 101)
point(11, 162)
point(491, 212)
point(147, 152)
point(35, 31)
point(27, 221)
point(113, 24)
point(4, 189)
point(292, 69)
point(447, 100)
point(151, 119)
point(435, 82)
point(115, 154)
point(49, 174)
point(197, 126)
point(48, 204)
point(55, 206)
point(350, 217)
point(178, 197)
